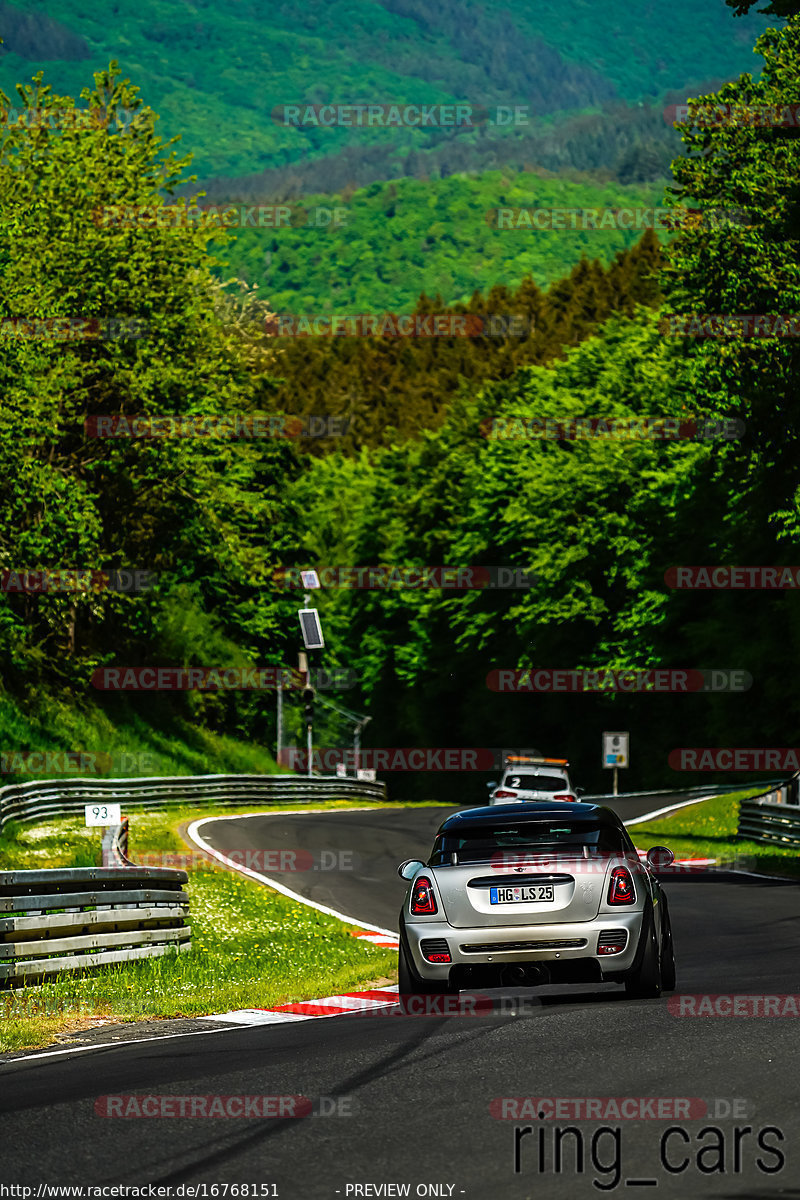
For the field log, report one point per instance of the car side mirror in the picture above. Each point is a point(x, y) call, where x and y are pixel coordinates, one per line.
point(409, 868)
point(579, 791)
point(659, 857)
point(492, 784)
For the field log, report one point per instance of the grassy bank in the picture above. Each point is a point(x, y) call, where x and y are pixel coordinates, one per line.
point(708, 830)
point(125, 740)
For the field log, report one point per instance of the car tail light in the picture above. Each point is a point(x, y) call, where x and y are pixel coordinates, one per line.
point(423, 902)
point(621, 889)
point(502, 793)
point(563, 796)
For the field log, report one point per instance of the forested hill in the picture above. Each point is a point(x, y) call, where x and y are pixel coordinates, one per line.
point(135, 323)
point(215, 71)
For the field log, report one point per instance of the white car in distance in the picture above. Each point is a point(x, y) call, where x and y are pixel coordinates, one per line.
point(525, 779)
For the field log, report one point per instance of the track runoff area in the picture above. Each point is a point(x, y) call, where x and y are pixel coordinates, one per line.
point(557, 1093)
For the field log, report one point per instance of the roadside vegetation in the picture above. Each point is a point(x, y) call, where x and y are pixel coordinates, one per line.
point(708, 830)
point(251, 947)
point(53, 737)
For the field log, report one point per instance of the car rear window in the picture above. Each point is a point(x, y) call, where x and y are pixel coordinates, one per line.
point(536, 783)
point(480, 843)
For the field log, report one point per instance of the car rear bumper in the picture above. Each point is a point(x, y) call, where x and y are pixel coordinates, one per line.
point(554, 944)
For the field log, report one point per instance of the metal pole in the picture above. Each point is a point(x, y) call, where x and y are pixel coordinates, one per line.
point(615, 780)
point(309, 730)
point(357, 741)
point(279, 738)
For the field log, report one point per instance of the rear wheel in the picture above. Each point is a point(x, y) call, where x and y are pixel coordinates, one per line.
point(644, 978)
point(668, 977)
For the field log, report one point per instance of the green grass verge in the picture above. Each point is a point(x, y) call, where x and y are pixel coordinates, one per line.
point(251, 946)
point(708, 830)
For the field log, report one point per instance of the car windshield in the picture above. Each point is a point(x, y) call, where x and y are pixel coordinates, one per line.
point(485, 842)
point(536, 783)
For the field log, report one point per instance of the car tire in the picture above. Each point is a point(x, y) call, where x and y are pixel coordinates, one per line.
point(409, 982)
point(668, 975)
point(644, 979)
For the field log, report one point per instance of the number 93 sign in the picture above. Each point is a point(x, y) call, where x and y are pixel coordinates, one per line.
point(103, 814)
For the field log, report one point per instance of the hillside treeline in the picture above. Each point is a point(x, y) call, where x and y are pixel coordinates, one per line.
point(598, 522)
point(393, 387)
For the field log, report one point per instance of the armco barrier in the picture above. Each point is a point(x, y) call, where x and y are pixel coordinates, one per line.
point(774, 817)
point(66, 920)
point(52, 798)
point(115, 845)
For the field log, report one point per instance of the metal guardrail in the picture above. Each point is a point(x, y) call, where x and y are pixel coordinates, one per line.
point(61, 797)
point(699, 790)
point(772, 818)
point(66, 920)
point(115, 845)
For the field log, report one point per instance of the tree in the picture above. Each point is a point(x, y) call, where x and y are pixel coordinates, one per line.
point(744, 156)
point(775, 8)
point(205, 515)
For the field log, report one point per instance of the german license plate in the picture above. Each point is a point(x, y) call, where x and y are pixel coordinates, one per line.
point(520, 895)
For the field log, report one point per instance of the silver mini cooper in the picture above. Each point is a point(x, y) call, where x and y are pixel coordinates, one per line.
point(535, 893)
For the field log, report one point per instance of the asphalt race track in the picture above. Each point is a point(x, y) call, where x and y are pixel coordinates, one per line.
point(351, 857)
point(413, 1105)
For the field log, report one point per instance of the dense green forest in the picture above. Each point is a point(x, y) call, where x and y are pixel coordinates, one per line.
point(379, 247)
point(417, 480)
point(215, 72)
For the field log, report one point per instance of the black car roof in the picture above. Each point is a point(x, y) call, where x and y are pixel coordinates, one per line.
point(530, 812)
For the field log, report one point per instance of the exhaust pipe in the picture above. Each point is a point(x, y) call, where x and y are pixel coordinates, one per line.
point(524, 975)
